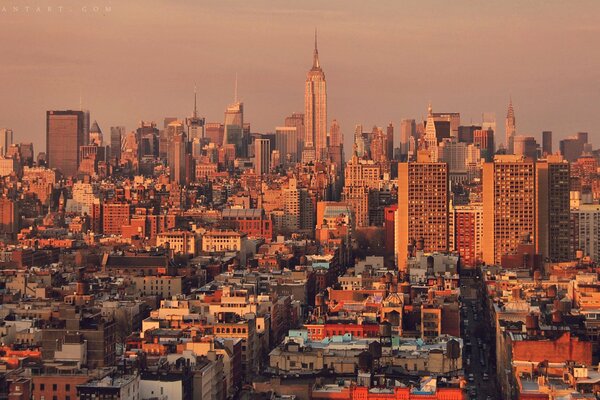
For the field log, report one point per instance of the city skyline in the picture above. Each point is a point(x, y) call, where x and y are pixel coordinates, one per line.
point(384, 85)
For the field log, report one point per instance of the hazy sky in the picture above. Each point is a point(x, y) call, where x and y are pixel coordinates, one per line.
point(383, 60)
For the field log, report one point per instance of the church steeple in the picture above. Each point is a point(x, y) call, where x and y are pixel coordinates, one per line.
point(316, 64)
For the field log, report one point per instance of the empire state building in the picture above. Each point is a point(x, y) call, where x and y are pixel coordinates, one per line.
point(315, 111)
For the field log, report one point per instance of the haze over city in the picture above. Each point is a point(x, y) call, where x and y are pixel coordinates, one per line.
point(384, 61)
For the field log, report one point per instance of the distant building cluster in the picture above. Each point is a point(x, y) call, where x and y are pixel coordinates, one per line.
point(203, 260)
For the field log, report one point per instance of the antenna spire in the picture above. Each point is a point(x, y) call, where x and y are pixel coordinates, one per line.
point(235, 93)
point(316, 64)
point(195, 102)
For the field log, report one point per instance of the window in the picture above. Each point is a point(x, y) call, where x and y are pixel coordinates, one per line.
point(54, 387)
point(42, 386)
point(68, 387)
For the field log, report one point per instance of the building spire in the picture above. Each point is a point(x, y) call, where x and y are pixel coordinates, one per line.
point(195, 102)
point(235, 93)
point(316, 64)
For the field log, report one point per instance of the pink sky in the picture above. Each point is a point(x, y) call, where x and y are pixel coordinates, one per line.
point(383, 61)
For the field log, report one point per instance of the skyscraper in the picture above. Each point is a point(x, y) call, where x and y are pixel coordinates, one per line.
point(195, 124)
point(552, 236)
point(286, 142)
point(525, 146)
point(117, 133)
point(95, 135)
point(315, 106)
point(508, 205)
point(64, 135)
point(423, 202)
point(262, 156)
point(389, 141)
point(177, 158)
point(6, 140)
point(408, 130)
point(546, 142)
point(234, 127)
point(510, 128)
point(484, 138)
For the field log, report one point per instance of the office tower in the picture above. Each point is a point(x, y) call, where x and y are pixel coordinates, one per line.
point(455, 155)
point(525, 146)
point(95, 135)
point(431, 135)
point(148, 139)
point(195, 124)
point(117, 133)
point(408, 130)
point(508, 205)
point(510, 128)
point(64, 135)
point(546, 142)
point(177, 157)
point(262, 156)
point(215, 131)
point(286, 142)
point(27, 153)
point(390, 141)
point(484, 139)
point(234, 128)
point(336, 144)
point(466, 231)
point(553, 208)
point(377, 146)
point(445, 125)
point(488, 121)
point(422, 215)
point(466, 133)
point(6, 140)
point(166, 136)
point(572, 147)
point(296, 120)
point(315, 108)
point(361, 145)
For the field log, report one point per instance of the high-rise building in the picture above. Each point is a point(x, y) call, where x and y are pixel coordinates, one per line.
point(525, 146)
point(466, 133)
point(441, 125)
point(177, 158)
point(553, 208)
point(546, 142)
point(572, 147)
point(488, 121)
point(389, 142)
point(336, 144)
point(117, 133)
point(234, 128)
point(466, 231)
point(315, 108)
point(508, 205)
point(195, 124)
point(262, 156)
point(296, 120)
point(27, 153)
point(422, 215)
point(215, 131)
point(9, 217)
point(408, 130)
point(114, 216)
point(64, 135)
point(286, 142)
point(585, 234)
point(485, 140)
point(6, 140)
point(510, 128)
point(95, 135)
